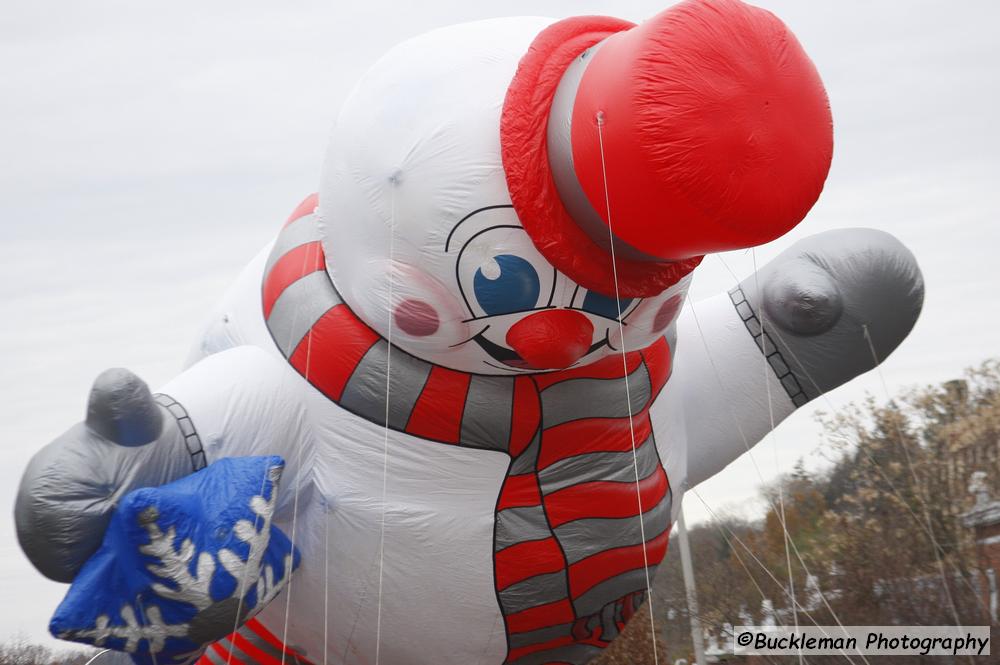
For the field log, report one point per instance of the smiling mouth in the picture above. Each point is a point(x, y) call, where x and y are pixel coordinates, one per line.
point(511, 358)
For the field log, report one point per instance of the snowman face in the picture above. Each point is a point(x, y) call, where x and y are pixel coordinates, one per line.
point(525, 316)
point(486, 301)
point(418, 230)
point(481, 298)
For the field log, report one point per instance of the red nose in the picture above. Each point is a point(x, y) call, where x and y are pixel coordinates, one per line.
point(552, 339)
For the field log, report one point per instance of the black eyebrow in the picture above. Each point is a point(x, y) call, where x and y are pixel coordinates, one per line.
point(474, 212)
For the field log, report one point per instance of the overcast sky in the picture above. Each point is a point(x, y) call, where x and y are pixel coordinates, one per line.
point(149, 150)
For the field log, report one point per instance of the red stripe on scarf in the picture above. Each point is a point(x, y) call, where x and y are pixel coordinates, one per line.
point(588, 573)
point(291, 267)
point(307, 206)
point(524, 560)
point(339, 342)
point(542, 616)
point(605, 368)
point(224, 653)
point(525, 416)
point(592, 436)
point(246, 646)
point(260, 631)
point(437, 415)
point(605, 499)
point(519, 492)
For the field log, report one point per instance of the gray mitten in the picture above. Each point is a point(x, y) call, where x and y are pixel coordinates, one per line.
point(130, 439)
point(834, 306)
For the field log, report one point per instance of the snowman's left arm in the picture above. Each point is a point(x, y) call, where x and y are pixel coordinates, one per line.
point(824, 311)
point(244, 402)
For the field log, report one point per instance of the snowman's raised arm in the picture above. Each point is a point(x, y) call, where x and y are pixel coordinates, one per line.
point(808, 322)
point(239, 402)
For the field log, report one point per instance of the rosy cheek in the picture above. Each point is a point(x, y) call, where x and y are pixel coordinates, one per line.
point(416, 318)
point(667, 312)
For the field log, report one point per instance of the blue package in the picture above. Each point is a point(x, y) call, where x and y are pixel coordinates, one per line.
point(181, 565)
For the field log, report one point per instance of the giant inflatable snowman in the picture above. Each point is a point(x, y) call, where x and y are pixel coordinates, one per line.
point(471, 352)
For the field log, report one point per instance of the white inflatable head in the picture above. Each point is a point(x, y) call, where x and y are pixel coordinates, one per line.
point(414, 171)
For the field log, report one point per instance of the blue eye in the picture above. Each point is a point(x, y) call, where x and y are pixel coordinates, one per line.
point(509, 284)
point(595, 303)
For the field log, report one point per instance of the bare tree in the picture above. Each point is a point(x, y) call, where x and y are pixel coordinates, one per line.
point(20, 651)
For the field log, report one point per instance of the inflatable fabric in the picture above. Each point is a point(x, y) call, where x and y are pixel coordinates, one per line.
point(473, 347)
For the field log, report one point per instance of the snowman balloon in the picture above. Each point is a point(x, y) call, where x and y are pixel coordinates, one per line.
point(469, 355)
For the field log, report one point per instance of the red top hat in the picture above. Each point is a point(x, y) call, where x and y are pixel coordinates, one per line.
point(704, 129)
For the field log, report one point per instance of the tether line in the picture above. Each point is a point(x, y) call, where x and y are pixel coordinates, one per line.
point(628, 392)
point(774, 441)
point(385, 439)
